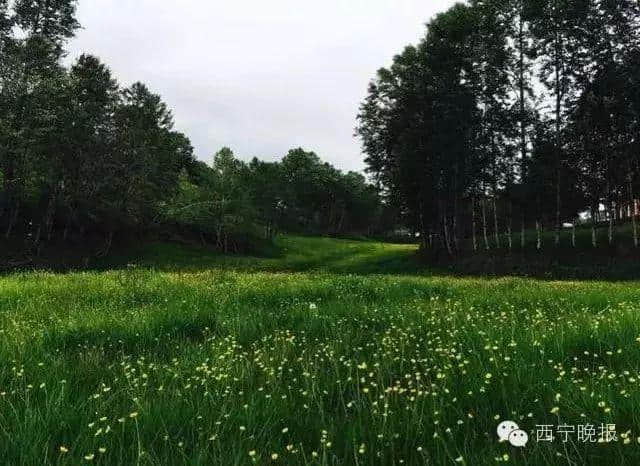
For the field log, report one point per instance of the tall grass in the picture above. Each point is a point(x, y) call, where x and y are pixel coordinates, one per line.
point(311, 357)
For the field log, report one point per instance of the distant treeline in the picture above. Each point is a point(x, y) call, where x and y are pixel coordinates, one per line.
point(231, 200)
point(511, 115)
point(83, 158)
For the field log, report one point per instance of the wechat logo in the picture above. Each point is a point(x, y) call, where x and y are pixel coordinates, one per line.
point(508, 431)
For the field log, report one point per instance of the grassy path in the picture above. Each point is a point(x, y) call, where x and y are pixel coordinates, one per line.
point(336, 352)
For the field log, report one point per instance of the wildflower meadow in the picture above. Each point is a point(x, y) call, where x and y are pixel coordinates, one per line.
point(335, 352)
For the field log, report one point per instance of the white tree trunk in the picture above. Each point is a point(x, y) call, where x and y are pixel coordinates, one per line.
point(495, 223)
point(594, 223)
point(611, 214)
point(484, 224)
point(632, 212)
point(445, 229)
point(473, 224)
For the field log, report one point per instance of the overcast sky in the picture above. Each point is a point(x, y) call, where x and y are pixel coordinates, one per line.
point(258, 76)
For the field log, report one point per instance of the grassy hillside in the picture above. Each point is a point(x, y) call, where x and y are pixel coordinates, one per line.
point(313, 355)
point(289, 254)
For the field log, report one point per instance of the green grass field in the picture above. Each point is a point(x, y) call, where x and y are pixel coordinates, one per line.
point(334, 352)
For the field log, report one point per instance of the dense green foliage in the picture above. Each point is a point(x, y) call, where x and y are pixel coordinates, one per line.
point(232, 202)
point(310, 358)
point(78, 154)
point(83, 159)
point(526, 111)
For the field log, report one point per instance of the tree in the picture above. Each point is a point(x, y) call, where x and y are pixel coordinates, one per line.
point(457, 119)
point(421, 118)
point(265, 182)
point(32, 79)
point(233, 210)
point(490, 78)
point(523, 55)
point(84, 160)
point(557, 26)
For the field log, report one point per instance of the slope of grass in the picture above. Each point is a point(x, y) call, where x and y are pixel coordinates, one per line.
point(289, 254)
point(311, 356)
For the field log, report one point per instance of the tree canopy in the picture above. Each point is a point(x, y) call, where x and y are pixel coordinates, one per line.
point(521, 110)
point(83, 158)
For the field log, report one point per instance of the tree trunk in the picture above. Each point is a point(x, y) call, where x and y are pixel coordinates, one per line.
point(107, 246)
point(558, 219)
point(573, 235)
point(473, 224)
point(5, 200)
point(219, 238)
point(484, 224)
point(611, 213)
point(610, 207)
point(109, 243)
point(454, 223)
point(539, 235)
point(48, 218)
point(38, 235)
point(341, 222)
point(558, 149)
point(594, 223)
point(632, 212)
point(509, 222)
point(523, 116)
point(12, 219)
point(495, 223)
point(454, 219)
point(425, 238)
point(445, 231)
